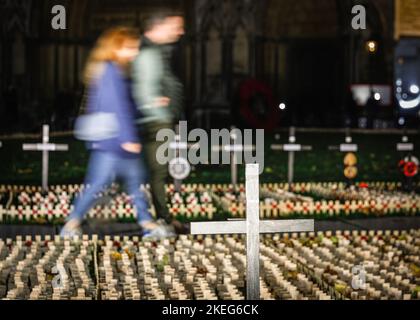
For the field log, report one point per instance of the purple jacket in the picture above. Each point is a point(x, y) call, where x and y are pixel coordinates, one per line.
point(112, 94)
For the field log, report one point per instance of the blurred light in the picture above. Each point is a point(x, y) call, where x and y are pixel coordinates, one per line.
point(399, 89)
point(401, 121)
point(377, 96)
point(405, 139)
point(282, 106)
point(349, 140)
point(409, 104)
point(399, 82)
point(371, 46)
point(362, 122)
point(414, 89)
point(292, 139)
point(404, 96)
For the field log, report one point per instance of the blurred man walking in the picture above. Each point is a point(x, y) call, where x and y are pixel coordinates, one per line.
point(159, 97)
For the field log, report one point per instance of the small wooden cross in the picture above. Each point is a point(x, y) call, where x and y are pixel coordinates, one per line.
point(291, 148)
point(234, 148)
point(46, 148)
point(347, 146)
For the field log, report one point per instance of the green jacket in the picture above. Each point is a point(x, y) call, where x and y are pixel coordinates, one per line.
point(153, 78)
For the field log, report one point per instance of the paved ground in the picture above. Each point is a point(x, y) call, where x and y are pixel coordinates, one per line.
point(103, 228)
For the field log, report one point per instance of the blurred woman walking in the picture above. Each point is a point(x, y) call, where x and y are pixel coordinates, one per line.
point(110, 116)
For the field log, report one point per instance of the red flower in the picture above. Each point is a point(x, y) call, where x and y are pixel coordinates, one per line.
point(363, 185)
point(249, 89)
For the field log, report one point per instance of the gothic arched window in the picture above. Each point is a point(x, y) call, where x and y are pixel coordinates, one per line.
point(214, 53)
point(241, 52)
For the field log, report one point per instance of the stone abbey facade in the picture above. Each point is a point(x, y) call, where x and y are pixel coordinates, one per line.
point(227, 42)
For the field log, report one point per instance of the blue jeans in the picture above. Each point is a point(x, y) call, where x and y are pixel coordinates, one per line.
point(104, 168)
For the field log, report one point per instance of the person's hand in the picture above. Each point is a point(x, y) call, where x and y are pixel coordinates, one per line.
point(162, 102)
point(132, 147)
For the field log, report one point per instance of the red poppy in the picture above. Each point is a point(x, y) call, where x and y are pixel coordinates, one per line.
point(363, 185)
point(410, 169)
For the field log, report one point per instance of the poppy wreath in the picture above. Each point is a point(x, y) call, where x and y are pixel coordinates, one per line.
point(409, 168)
point(249, 90)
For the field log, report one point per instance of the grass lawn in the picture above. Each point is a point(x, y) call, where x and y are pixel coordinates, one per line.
point(377, 161)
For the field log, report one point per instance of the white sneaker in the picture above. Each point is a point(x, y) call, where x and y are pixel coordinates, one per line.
point(162, 231)
point(71, 229)
point(169, 229)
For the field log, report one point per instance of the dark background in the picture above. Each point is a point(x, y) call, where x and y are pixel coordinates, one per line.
point(305, 52)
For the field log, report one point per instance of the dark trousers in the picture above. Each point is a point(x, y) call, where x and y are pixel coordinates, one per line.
point(158, 174)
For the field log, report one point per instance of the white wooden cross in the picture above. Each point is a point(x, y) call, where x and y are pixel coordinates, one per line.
point(45, 147)
point(252, 227)
point(291, 148)
point(405, 145)
point(179, 167)
point(234, 148)
point(407, 148)
point(346, 147)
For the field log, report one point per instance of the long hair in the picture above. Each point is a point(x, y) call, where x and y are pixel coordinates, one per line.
point(104, 50)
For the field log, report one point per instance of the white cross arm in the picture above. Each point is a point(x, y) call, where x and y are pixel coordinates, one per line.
point(233, 148)
point(178, 145)
point(238, 148)
point(239, 227)
point(291, 147)
point(183, 146)
point(405, 147)
point(345, 147)
point(45, 147)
